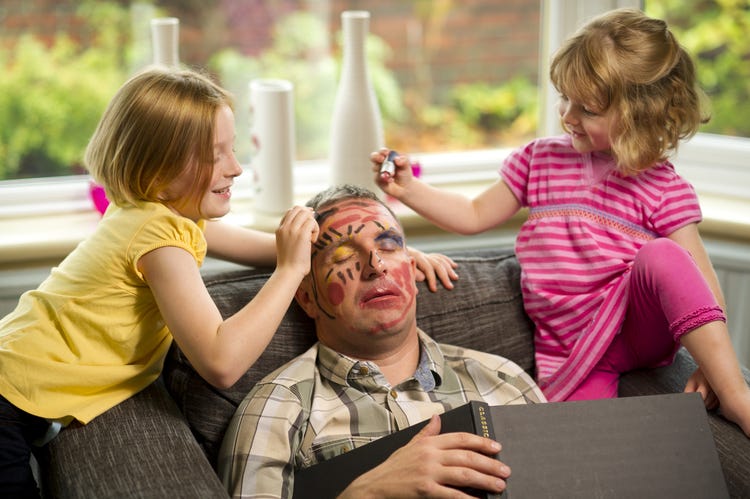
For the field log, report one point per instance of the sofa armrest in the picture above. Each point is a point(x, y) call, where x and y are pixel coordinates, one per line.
point(141, 448)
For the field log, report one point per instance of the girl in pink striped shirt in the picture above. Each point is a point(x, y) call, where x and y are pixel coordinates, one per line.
point(614, 273)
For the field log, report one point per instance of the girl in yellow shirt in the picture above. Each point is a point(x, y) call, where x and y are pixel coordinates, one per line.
point(96, 331)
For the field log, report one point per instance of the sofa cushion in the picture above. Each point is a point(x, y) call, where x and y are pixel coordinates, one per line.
point(484, 312)
point(140, 448)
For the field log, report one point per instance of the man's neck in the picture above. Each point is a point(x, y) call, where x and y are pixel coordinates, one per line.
point(400, 365)
point(397, 362)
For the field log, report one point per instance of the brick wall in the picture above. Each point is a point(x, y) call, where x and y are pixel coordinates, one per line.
point(507, 33)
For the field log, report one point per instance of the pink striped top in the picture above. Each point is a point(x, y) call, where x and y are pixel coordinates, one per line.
point(586, 222)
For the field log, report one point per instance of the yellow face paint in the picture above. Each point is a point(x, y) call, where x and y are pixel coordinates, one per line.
point(341, 254)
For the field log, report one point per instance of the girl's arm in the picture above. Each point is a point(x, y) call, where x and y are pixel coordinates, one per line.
point(689, 238)
point(222, 350)
point(240, 245)
point(450, 211)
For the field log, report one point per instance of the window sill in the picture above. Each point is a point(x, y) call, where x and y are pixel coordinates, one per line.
point(42, 221)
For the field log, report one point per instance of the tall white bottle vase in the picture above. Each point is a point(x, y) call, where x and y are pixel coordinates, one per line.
point(357, 126)
point(165, 40)
point(272, 134)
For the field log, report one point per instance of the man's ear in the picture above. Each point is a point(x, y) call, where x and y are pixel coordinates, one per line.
point(305, 298)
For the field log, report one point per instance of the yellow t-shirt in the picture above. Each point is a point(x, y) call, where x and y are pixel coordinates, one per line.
point(91, 335)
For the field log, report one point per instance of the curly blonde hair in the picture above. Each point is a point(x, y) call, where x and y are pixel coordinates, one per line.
point(159, 124)
point(632, 64)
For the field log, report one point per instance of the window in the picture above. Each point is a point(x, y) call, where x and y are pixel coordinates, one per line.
point(449, 76)
point(715, 34)
point(455, 80)
point(440, 85)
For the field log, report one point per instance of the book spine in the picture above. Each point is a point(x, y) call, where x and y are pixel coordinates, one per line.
point(482, 420)
point(477, 421)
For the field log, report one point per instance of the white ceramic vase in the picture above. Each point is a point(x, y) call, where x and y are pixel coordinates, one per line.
point(357, 126)
point(165, 40)
point(272, 132)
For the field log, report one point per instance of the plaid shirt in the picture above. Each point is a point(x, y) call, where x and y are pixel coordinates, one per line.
point(323, 404)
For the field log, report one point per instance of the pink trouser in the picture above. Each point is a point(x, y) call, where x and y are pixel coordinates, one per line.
point(668, 297)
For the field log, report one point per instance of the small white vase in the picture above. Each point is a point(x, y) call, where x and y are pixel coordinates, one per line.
point(272, 132)
point(357, 126)
point(165, 40)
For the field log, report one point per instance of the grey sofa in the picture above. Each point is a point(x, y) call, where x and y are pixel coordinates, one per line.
point(163, 441)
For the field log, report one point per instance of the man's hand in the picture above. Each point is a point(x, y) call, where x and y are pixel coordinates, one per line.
point(434, 465)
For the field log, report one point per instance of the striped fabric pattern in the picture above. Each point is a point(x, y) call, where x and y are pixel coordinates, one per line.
point(586, 223)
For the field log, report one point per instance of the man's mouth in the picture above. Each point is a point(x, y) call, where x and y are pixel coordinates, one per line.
point(379, 293)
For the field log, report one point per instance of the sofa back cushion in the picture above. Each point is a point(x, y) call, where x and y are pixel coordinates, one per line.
point(484, 312)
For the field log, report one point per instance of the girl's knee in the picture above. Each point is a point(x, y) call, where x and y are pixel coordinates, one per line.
point(660, 250)
point(663, 257)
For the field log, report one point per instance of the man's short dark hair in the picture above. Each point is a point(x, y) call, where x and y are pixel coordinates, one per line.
point(337, 193)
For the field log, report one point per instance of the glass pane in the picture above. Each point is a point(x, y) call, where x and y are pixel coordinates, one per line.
point(715, 33)
point(448, 74)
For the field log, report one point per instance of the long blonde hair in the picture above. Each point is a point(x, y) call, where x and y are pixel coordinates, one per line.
point(159, 123)
point(629, 63)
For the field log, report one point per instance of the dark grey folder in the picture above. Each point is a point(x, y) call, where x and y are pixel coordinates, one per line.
point(656, 446)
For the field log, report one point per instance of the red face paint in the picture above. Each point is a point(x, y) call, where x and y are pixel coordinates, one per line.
point(335, 293)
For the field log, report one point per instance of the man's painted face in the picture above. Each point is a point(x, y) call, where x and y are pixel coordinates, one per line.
point(362, 278)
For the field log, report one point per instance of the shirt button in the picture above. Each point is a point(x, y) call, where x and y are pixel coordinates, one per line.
point(394, 394)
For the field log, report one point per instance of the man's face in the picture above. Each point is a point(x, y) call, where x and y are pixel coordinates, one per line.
point(361, 290)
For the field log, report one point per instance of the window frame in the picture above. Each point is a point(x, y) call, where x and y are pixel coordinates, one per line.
point(45, 218)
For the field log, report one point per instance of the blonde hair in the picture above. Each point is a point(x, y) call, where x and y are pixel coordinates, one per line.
point(632, 64)
point(159, 124)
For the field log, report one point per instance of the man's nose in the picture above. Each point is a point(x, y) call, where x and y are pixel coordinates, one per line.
point(374, 267)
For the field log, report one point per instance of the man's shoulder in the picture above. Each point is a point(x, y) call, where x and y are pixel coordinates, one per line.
point(295, 371)
point(456, 355)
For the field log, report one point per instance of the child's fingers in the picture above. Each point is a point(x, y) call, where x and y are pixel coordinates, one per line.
point(439, 268)
point(299, 220)
point(377, 157)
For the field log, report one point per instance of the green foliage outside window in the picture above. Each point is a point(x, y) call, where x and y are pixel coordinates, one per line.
point(716, 35)
point(51, 98)
point(50, 102)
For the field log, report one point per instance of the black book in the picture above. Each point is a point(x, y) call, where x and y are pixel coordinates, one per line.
point(658, 446)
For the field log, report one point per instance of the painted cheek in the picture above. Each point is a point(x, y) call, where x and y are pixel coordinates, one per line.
point(404, 278)
point(335, 293)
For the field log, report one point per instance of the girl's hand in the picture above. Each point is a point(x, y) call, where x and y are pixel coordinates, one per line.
point(395, 184)
point(698, 383)
point(294, 237)
point(433, 267)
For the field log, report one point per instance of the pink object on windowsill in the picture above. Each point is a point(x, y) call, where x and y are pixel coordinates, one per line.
point(416, 169)
point(99, 197)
